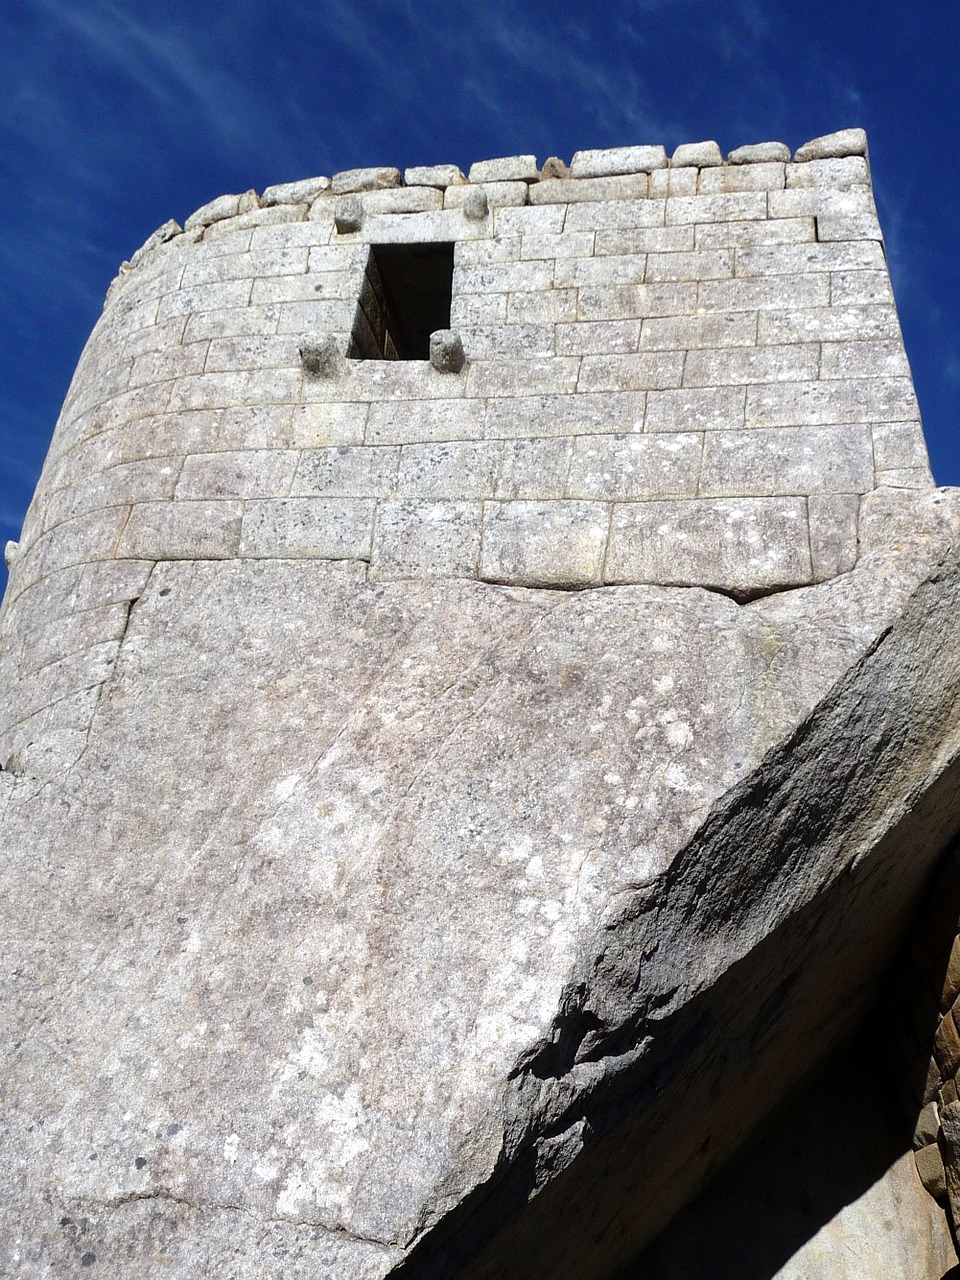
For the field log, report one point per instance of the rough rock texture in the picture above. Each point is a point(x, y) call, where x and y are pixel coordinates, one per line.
point(445, 811)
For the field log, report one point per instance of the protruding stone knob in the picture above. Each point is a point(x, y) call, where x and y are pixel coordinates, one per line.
point(320, 357)
point(446, 351)
point(475, 203)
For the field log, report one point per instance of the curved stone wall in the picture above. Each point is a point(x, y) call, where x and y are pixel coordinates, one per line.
point(680, 372)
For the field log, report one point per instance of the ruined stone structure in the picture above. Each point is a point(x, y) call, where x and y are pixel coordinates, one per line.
point(479, 690)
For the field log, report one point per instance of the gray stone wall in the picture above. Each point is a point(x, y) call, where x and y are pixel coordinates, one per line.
point(682, 372)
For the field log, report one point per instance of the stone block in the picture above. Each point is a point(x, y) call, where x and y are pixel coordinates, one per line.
point(550, 245)
point(636, 301)
point(485, 341)
point(905, 478)
point(221, 390)
point(304, 191)
point(787, 460)
point(620, 467)
point(174, 362)
point(182, 531)
point(251, 351)
point(144, 480)
point(927, 1127)
point(308, 234)
point(613, 214)
point(470, 309)
point(793, 259)
point(834, 519)
point(609, 270)
point(206, 297)
point(701, 154)
point(457, 469)
point(829, 324)
point(549, 307)
point(633, 186)
point(744, 365)
point(860, 226)
point(233, 322)
point(481, 253)
point(505, 169)
point(213, 211)
point(535, 468)
point(162, 235)
point(401, 200)
point(951, 979)
point(433, 175)
point(547, 375)
point(931, 1170)
point(308, 528)
point(831, 403)
point(627, 240)
point(433, 420)
point(742, 177)
point(760, 153)
point(719, 235)
point(838, 175)
point(503, 277)
point(314, 425)
point(740, 206)
point(554, 167)
point(260, 473)
point(372, 179)
point(611, 161)
point(347, 471)
point(802, 202)
point(544, 220)
point(544, 544)
point(475, 202)
point(744, 545)
point(384, 380)
point(946, 1046)
point(691, 333)
point(673, 182)
point(846, 142)
point(704, 264)
point(757, 293)
point(696, 409)
point(598, 337)
point(884, 359)
point(643, 371)
point(509, 418)
point(860, 289)
point(426, 540)
point(328, 316)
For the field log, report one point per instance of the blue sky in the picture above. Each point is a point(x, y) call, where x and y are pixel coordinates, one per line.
point(118, 114)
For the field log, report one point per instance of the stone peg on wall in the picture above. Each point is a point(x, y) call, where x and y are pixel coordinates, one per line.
point(10, 553)
point(446, 351)
point(475, 204)
point(348, 214)
point(320, 357)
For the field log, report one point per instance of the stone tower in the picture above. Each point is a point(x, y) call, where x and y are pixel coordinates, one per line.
point(478, 711)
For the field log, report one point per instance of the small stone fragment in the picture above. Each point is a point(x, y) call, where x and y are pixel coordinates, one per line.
point(248, 202)
point(475, 203)
point(434, 175)
point(554, 167)
point(10, 553)
point(303, 192)
point(159, 237)
point(446, 351)
point(703, 155)
point(759, 153)
point(348, 214)
point(351, 180)
point(213, 211)
point(834, 146)
point(320, 357)
point(928, 1126)
point(505, 169)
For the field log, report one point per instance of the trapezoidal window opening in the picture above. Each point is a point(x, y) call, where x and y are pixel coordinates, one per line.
point(404, 298)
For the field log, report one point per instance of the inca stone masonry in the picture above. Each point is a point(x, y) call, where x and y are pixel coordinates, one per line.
point(479, 727)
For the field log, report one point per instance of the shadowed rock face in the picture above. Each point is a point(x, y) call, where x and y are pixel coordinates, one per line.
point(434, 837)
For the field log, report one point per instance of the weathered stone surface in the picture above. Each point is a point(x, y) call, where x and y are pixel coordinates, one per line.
point(760, 153)
point(374, 179)
point(304, 191)
point(505, 169)
point(609, 162)
point(698, 154)
point(433, 175)
point(846, 142)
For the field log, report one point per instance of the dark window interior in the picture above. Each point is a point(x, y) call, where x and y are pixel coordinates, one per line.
point(405, 297)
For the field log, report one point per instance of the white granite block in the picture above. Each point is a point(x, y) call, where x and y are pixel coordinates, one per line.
point(600, 337)
point(384, 380)
point(482, 342)
point(433, 420)
point(801, 202)
point(505, 169)
point(347, 471)
point(720, 235)
point(213, 211)
point(232, 322)
point(635, 301)
point(221, 390)
point(534, 468)
point(308, 528)
point(503, 277)
point(426, 540)
point(828, 403)
point(566, 244)
point(864, 360)
point(695, 409)
point(175, 362)
point(690, 333)
point(611, 161)
point(556, 375)
point(205, 297)
point(626, 240)
point(260, 473)
point(845, 142)
point(633, 186)
point(838, 175)
point(701, 154)
point(544, 220)
point(551, 306)
point(315, 425)
point(900, 446)
point(860, 226)
point(444, 224)
point(635, 466)
point(830, 324)
point(736, 366)
point(791, 259)
point(760, 153)
point(907, 478)
point(705, 264)
point(480, 253)
point(673, 182)
point(644, 371)
point(500, 195)
point(544, 544)
point(182, 531)
point(402, 200)
point(833, 533)
point(467, 309)
point(372, 179)
point(615, 215)
point(331, 315)
point(456, 469)
point(787, 460)
point(255, 220)
point(740, 206)
point(304, 191)
point(742, 545)
point(758, 293)
point(609, 270)
point(742, 177)
point(542, 416)
point(860, 288)
point(433, 175)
